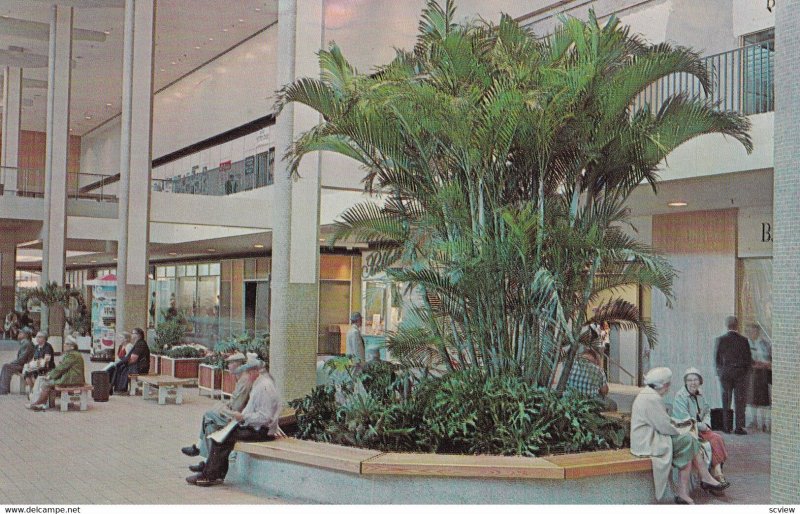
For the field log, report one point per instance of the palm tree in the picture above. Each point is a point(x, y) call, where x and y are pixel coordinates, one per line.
point(504, 162)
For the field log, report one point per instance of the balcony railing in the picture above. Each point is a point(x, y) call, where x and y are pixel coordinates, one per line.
point(31, 183)
point(742, 80)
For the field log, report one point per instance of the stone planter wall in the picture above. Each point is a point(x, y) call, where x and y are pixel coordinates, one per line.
point(155, 364)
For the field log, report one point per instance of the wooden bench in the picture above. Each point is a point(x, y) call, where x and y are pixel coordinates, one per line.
point(165, 385)
point(79, 393)
point(135, 385)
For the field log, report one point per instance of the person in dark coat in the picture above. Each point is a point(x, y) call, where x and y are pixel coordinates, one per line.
point(24, 355)
point(136, 361)
point(734, 363)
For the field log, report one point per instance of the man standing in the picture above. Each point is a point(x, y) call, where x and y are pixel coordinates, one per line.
point(355, 343)
point(734, 363)
point(24, 354)
point(257, 422)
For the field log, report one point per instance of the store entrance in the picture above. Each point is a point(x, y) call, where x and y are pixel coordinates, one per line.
point(256, 307)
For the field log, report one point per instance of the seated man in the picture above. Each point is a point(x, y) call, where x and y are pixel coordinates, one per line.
point(68, 373)
point(257, 422)
point(222, 414)
point(24, 354)
point(588, 378)
point(43, 360)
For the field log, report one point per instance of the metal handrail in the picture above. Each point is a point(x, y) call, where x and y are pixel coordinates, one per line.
point(30, 183)
point(742, 80)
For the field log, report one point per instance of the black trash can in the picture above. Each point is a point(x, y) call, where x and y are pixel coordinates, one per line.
point(716, 420)
point(101, 385)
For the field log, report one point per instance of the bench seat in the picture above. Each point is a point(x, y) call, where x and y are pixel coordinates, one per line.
point(165, 385)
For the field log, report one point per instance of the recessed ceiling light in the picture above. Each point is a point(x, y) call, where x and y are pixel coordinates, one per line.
point(162, 69)
point(241, 20)
point(106, 32)
point(677, 204)
point(210, 250)
point(92, 262)
point(108, 105)
point(322, 240)
point(75, 263)
point(258, 9)
point(197, 48)
point(211, 39)
point(115, 258)
point(87, 117)
point(224, 30)
point(173, 253)
point(258, 246)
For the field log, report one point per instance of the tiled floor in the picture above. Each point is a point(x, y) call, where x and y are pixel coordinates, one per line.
point(123, 451)
point(127, 451)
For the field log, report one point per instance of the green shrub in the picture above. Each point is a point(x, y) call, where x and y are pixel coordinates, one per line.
point(169, 333)
point(184, 351)
point(462, 412)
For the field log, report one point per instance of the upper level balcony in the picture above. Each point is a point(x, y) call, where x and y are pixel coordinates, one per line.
point(742, 80)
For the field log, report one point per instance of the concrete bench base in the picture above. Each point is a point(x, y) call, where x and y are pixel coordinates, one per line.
point(164, 386)
point(67, 394)
point(342, 474)
point(307, 483)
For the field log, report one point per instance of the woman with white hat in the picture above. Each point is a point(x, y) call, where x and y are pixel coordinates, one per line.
point(654, 435)
point(690, 403)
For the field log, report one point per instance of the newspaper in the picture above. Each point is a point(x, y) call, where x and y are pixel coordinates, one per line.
point(220, 435)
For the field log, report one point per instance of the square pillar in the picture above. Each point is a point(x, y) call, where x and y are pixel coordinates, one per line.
point(12, 114)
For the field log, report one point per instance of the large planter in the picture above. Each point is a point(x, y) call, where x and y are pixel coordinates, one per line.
point(209, 379)
point(155, 364)
point(228, 382)
point(180, 367)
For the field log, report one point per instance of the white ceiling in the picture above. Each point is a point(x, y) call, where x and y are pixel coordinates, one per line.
point(188, 34)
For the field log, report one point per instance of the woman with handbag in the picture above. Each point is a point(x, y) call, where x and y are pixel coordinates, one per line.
point(690, 403)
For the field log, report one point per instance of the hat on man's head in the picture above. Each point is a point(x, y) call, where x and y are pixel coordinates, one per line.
point(658, 377)
point(42, 334)
point(28, 330)
point(238, 356)
point(251, 363)
point(355, 317)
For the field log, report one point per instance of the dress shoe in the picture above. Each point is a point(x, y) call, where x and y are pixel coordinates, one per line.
point(208, 482)
point(194, 478)
point(705, 486)
point(740, 431)
point(681, 501)
point(190, 451)
point(198, 468)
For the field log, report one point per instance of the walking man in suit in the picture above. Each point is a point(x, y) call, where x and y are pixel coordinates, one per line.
point(734, 363)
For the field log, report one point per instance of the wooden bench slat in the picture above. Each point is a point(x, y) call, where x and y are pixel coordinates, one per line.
point(322, 455)
point(165, 380)
point(605, 462)
point(490, 466)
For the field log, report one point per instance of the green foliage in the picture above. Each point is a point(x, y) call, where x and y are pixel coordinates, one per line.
point(184, 351)
point(314, 412)
point(243, 343)
point(506, 161)
point(462, 412)
point(169, 333)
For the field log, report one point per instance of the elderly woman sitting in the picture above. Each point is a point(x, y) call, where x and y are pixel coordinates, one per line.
point(690, 403)
point(654, 435)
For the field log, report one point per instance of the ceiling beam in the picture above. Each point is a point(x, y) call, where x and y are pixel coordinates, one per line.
point(88, 4)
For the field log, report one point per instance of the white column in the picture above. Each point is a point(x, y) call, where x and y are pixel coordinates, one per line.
point(12, 114)
point(135, 164)
point(58, 93)
point(8, 257)
point(294, 316)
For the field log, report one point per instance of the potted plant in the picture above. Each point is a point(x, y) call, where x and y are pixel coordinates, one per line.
point(182, 361)
point(169, 333)
point(209, 376)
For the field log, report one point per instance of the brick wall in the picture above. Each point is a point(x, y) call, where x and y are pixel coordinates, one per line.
point(785, 467)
